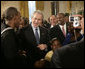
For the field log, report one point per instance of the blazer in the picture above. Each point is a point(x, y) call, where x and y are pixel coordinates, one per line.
point(69, 56)
point(28, 41)
point(56, 32)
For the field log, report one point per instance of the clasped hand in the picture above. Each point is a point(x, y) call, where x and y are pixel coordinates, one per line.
point(42, 46)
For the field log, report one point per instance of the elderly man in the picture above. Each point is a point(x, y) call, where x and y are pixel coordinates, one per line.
point(34, 38)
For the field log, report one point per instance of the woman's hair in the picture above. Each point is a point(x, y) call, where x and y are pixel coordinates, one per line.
point(10, 13)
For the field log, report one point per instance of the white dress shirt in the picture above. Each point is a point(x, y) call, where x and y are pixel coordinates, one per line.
point(38, 29)
point(64, 27)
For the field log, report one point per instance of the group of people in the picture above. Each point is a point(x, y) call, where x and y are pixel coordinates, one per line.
point(35, 41)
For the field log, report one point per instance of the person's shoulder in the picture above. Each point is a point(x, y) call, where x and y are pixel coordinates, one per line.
point(55, 27)
point(43, 28)
point(8, 33)
point(72, 46)
point(26, 27)
point(64, 49)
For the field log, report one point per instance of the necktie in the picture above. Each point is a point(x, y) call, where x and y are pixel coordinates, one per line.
point(63, 30)
point(37, 35)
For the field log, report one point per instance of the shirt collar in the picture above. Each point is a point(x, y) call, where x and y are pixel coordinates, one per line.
point(63, 25)
point(34, 27)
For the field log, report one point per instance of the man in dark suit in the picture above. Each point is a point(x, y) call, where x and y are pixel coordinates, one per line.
point(34, 38)
point(9, 41)
point(70, 56)
point(60, 30)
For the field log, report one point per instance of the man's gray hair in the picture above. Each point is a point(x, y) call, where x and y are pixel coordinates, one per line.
point(39, 12)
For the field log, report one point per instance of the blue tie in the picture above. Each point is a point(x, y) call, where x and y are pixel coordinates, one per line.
point(37, 36)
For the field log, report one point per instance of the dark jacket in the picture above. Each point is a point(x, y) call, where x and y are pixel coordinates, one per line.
point(69, 56)
point(56, 32)
point(28, 42)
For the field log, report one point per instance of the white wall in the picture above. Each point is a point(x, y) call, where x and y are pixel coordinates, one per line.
point(75, 4)
point(47, 9)
point(47, 6)
point(62, 6)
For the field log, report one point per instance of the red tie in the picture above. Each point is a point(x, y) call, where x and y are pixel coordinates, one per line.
point(63, 30)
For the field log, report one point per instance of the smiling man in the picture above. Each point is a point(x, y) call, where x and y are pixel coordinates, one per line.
point(34, 38)
point(71, 55)
point(59, 31)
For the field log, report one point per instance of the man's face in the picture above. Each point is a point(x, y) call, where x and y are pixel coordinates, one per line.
point(56, 45)
point(36, 19)
point(60, 19)
point(66, 19)
point(53, 20)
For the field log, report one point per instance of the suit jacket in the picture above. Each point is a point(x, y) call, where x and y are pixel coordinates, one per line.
point(69, 56)
point(57, 32)
point(29, 43)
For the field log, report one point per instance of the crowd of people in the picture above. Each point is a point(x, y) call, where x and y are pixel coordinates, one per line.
point(41, 44)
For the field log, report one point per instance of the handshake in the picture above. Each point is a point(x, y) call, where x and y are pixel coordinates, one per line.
point(42, 46)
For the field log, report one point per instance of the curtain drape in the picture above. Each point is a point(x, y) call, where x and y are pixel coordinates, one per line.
point(40, 5)
point(69, 6)
point(24, 9)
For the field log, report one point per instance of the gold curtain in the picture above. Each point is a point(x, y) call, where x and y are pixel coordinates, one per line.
point(40, 5)
point(69, 6)
point(24, 9)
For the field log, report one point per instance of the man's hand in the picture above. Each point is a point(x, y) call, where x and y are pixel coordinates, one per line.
point(22, 52)
point(42, 46)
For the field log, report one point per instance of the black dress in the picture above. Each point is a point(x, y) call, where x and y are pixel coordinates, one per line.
point(9, 47)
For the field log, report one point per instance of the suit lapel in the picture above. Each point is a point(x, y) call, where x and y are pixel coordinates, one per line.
point(41, 34)
point(66, 28)
point(60, 31)
point(32, 33)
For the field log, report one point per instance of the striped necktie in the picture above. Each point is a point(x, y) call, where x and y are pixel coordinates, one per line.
point(37, 36)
